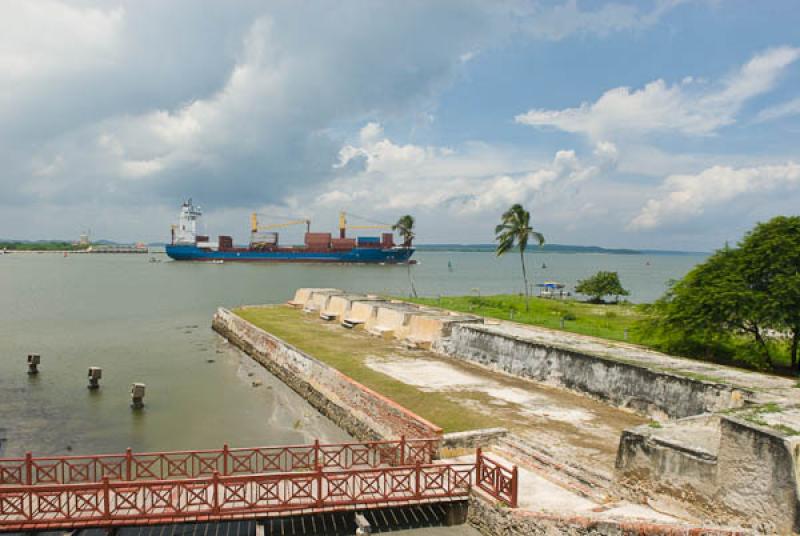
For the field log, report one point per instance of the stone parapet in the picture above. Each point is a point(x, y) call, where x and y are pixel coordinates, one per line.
point(357, 409)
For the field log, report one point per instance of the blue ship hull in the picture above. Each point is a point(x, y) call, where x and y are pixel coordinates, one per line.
point(355, 255)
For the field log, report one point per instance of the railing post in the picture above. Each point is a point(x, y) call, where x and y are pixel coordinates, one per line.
point(402, 449)
point(215, 492)
point(417, 478)
point(225, 454)
point(514, 486)
point(478, 462)
point(317, 463)
point(106, 499)
point(29, 468)
point(128, 464)
point(318, 469)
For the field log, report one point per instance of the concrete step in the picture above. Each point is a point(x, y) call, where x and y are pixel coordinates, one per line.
point(349, 323)
point(581, 480)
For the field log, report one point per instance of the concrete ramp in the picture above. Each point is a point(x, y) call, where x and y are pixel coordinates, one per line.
point(302, 295)
point(339, 306)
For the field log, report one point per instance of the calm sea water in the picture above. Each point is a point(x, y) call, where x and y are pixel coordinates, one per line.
point(149, 322)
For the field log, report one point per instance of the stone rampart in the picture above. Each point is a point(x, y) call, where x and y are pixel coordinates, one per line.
point(357, 409)
point(615, 381)
point(723, 467)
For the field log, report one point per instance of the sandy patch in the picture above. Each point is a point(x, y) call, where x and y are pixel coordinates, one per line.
point(432, 375)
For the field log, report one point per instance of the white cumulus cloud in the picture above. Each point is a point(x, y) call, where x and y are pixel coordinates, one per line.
point(479, 179)
point(689, 107)
point(688, 196)
point(786, 109)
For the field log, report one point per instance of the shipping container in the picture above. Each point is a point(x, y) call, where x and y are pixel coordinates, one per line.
point(369, 240)
point(387, 240)
point(326, 236)
point(343, 243)
point(225, 242)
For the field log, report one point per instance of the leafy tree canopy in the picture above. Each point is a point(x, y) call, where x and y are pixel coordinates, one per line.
point(751, 290)
point(600, 285)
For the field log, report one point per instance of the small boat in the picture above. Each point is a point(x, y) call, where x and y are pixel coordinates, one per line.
point(551, 289)
point(216, 261)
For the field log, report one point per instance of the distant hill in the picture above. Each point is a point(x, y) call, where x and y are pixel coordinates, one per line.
point(554, 248)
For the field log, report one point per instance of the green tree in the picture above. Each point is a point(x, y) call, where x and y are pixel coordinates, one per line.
point(405, 228)
point(752, 290)
point(770, 266)
point(514, 231)
point(600, 285)
point(711, 305)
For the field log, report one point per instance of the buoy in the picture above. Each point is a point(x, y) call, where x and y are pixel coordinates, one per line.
point(33, 363)
point(137, 395)
point(95, 373)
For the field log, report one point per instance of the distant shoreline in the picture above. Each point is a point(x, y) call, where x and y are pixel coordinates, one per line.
point(555, 248)
point(31, 246)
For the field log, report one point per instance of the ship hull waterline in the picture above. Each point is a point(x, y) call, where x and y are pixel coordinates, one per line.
point(354, 256)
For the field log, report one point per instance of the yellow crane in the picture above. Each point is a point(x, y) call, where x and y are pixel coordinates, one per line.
point(343, 226)
point(255, 227)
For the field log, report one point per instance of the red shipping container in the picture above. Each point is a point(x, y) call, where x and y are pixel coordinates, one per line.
point(343, 243)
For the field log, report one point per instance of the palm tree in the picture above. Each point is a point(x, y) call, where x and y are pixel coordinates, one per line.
point(515, 230)
point(405, 227)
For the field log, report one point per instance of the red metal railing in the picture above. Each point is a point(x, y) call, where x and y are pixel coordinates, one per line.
point(132, 466)
point(496, 479)
point(133, 489)
point(108, 503)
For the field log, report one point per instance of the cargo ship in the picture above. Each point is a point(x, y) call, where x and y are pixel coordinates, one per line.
point(187, 245)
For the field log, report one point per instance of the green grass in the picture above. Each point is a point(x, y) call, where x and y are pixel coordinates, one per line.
point(611, 321)
point(608, 321)
point(348, 353)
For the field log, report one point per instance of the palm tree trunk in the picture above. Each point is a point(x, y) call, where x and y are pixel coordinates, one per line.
point(411, 281)
point(524, 277)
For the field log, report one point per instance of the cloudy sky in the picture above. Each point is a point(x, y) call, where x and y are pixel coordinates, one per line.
point(667, 124)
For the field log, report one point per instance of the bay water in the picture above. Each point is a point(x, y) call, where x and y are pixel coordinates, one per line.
point(149, 322)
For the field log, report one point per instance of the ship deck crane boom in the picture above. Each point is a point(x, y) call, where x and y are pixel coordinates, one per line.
point(343, 225)
point(256, 227)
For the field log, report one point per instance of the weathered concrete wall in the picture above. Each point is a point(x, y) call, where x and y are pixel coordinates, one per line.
point(360, 411)
point(302, 295)
point(483, 437)
point(494, 520)
point(642, 389)
point(428, 328)
point(750, 478)
point(319, 299)
point(672, 459)
point(757, 475)
point(339, 306)
point(362, 312)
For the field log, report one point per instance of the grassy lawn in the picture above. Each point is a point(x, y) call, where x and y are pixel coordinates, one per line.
point(347, 352)
point(605, 321)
